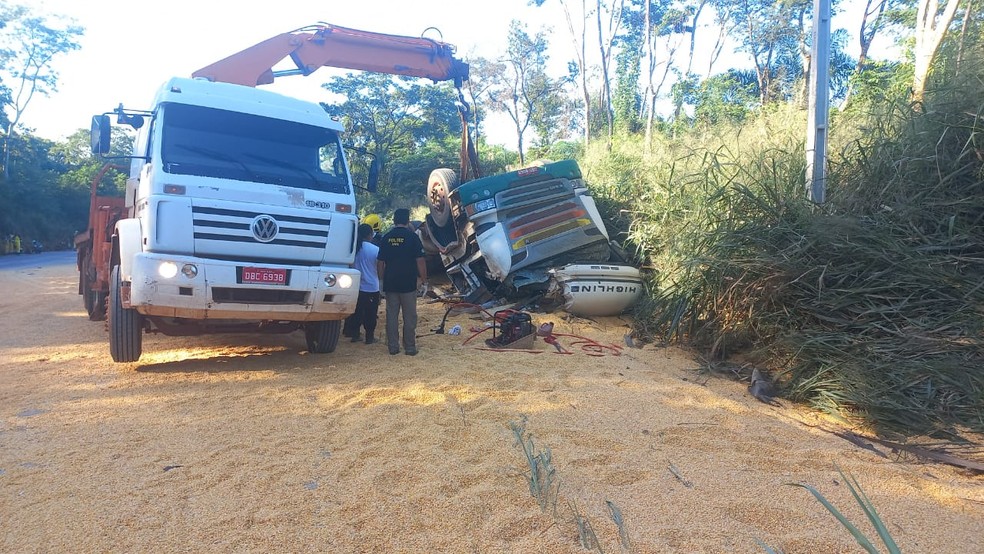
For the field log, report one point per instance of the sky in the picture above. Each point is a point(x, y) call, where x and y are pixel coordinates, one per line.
point(130, 47)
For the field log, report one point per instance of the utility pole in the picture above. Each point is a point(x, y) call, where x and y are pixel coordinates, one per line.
point(819, 104)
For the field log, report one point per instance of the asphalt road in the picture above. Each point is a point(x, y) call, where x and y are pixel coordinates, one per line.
point(44, 259)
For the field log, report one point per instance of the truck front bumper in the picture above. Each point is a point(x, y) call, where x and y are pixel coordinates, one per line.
point(196, 288)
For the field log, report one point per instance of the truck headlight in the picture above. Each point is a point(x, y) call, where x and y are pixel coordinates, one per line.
point(189, 270)
point(484, 205)
point(167, 270)
point(343, 281)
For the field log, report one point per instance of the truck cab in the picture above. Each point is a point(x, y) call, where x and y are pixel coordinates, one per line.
point(239, 215)
point(534, 231)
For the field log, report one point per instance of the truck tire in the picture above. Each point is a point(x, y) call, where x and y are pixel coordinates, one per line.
point(88, 295)
point(322, 336)
point(95, 302)
point(125, 324)
point(99, 308)
point(439, 185)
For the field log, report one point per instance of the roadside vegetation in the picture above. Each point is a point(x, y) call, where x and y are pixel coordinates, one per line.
point(870, 306)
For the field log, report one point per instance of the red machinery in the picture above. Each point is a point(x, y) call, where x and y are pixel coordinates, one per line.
point(324, 45)
point(94, 247)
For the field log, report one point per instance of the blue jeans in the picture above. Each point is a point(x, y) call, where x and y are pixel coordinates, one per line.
point(406, 301)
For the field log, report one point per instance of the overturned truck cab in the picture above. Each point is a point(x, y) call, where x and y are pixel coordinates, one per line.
point(531, 232)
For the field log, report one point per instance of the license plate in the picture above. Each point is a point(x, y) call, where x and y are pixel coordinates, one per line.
point(264, 276)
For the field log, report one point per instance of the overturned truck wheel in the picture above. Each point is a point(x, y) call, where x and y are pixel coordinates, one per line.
point(439, 185)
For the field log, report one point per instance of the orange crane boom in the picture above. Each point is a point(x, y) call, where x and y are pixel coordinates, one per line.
point(325, 45)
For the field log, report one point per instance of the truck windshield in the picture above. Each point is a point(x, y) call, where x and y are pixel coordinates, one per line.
point(230, 145)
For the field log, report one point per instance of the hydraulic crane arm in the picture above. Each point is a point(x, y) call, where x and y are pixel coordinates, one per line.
point(325, 45)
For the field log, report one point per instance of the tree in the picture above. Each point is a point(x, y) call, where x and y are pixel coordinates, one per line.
point(872, 21)
point(724, 98)
point(627, 101)
point(393, 117)
point(963, 33)
point(525, 92)
point(768, 31)
point(75, 155)
point(933, 18)
point(579, 39)
point(726, 26)
point(610, 17)
point(33, 43)
point(483, 73)
point(666, 27)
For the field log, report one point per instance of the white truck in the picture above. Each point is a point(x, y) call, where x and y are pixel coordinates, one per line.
point(532, 233)
point(240, 210)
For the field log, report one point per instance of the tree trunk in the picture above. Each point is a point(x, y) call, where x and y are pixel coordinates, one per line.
point(6, 152)
point(806, 58)
point(963, 34)
point(606, 99)
point(870, 23)
point(605, 46)
point(648, 94)
point(716, 50)
point(579, 49)
point(929, 34)
point(520, 131)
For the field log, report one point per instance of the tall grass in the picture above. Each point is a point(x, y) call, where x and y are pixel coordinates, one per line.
point(869, 511)
point(871, 307)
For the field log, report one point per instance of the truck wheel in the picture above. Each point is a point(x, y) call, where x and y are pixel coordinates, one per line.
point(322, 336)
point(439, 185)
point(125, 324)
point(99, 311)
point(95, 302)
point(88, 295)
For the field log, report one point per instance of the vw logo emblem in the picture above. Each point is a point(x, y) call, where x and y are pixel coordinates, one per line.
point(264, 228)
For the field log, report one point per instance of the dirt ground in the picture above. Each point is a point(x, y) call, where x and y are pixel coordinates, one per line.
point(249, 444)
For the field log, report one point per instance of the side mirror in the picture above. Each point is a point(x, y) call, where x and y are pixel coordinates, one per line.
point(99, 134)
point(373, 181)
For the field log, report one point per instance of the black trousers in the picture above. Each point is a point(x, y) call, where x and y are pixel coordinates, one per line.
point(366, 314)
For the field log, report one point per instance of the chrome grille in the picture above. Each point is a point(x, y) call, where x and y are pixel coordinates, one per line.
point(224, 232)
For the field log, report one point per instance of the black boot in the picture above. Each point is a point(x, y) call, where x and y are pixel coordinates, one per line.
point(370, 339)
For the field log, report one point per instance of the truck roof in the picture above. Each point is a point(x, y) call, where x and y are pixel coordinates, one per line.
point(238, 98)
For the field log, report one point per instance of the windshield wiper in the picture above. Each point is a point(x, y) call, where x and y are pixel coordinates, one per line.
point(218, 155)
point(285, 165)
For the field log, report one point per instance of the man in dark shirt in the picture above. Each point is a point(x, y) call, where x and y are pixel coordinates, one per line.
point(403, 270)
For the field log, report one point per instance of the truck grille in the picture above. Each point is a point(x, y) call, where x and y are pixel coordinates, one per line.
point(227, 233)
point(545, 218)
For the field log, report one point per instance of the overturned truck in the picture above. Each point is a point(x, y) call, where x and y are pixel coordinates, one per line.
point(531, 233)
